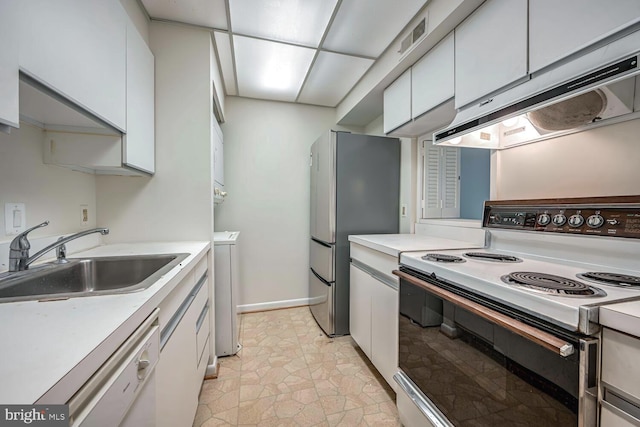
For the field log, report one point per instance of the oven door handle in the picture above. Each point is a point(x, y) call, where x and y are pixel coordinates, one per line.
point(545, 339)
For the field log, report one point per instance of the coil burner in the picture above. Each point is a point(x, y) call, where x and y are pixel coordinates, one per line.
point(551, 284)
point(442, 258)
point(486, 256)
point(611, 279)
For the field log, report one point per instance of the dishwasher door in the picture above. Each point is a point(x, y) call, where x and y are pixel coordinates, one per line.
point(122, 391)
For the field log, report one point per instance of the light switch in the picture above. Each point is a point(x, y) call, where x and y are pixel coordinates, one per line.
point(15, 218)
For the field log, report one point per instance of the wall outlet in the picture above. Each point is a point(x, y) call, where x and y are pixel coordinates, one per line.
point(84, 215)
point(403, 210)
point(15, 218)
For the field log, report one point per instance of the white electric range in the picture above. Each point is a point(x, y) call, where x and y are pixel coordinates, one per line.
point(520, 314)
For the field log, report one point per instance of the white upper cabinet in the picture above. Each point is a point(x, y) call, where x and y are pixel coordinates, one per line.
point(9, 63)
point(558, 29)
point(397, 102)
point(78, 49)
point(432, 81)
point(139, 141)
point(490, 50)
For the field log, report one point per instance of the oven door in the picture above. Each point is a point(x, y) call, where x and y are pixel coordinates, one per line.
point(477, 366)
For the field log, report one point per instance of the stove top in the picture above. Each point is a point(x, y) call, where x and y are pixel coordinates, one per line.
point(554, 290)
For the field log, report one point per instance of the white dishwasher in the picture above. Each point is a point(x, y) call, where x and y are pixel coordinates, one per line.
point(123, 391)
point(225, 292)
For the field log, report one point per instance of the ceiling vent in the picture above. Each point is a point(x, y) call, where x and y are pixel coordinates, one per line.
point(413, 36)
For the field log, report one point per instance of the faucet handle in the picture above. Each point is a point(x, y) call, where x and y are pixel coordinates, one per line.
point(20, 242)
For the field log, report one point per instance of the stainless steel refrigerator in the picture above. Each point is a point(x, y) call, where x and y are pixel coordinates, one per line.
point(355, 189)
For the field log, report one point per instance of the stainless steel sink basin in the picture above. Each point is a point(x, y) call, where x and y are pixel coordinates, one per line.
point(87, 276)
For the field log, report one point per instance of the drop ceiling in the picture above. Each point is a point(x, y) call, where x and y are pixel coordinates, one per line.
point(305, 51)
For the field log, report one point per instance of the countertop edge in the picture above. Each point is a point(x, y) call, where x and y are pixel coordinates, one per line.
point(75, 378)
point(614, 318)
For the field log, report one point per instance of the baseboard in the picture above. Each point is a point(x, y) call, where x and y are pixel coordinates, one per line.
point(272, 305)
point(212, 370)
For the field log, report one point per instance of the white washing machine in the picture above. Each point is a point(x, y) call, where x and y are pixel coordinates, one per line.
point(226, 292)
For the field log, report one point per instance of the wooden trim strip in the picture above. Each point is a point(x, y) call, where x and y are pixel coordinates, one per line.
point(545, 339)
point(567, 201)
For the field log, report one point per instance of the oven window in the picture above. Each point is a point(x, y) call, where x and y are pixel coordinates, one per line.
point(479, 374)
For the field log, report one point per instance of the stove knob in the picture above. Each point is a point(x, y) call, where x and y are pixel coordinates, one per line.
point(544, 219)
point(576, 220)
point(496, 219)
point(559, 220)
point(595, 221)
point(520, 219)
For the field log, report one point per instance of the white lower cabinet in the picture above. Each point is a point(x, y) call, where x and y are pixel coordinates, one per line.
point(373, 320)
point(620, 389)
point(184, 350)
point(360, 289)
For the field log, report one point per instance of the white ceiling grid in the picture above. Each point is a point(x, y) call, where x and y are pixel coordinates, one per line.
point(307, 51)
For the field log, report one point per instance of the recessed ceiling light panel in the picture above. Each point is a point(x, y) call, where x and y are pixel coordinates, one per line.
point(295, 21)
point(367, 27)
point(270, 70)
point(331, 78)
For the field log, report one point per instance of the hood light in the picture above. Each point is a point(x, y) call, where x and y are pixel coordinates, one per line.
point(510, 122)
point(455, 141)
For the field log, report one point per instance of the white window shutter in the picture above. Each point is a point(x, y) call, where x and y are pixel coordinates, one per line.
point(451, 182)
point(432, 162)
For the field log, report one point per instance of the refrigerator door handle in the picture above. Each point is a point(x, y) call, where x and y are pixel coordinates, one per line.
point(320, 278)
point(320, 242)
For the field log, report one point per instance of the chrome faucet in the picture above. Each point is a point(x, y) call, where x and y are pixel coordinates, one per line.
point(19, 259)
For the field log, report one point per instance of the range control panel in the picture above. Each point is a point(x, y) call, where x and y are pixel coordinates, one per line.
point(612, 220)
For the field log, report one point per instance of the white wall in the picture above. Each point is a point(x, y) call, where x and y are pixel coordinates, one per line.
point(266, 153)
point(176, 203)
point(599, 162)
point(49, 192)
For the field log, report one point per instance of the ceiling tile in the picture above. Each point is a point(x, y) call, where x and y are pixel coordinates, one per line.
point(367, 27)
point(331, 78)
point(223, 46)
point(208, 13)
point(294, 21)
point(270, 70)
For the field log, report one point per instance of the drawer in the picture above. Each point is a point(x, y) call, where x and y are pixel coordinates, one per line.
point(377, 260)
point(202, 295)
point(174, 300)
point(203, 326)
point(321, 258)
point(620, 355)
point(611, 416)
point(202, 266)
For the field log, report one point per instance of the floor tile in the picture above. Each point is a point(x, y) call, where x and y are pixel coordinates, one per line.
point(289, 373)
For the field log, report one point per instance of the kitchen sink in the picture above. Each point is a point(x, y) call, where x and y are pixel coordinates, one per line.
point(87, 276)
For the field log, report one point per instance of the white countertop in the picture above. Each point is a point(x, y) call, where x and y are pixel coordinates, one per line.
point(49, 349)
point(624, 317)
point(394, 244)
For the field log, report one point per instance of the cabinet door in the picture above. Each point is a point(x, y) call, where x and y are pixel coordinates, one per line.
point(218, 158)
point(490, 49)
point(360, 288)
point(432, 81)
point(397, 102)
point(559, 28)
point(9, 63)
point(384, 331)
point(139, 141)
point(78, 49)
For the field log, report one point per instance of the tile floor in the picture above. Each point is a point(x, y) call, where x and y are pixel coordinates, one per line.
point(289, 373)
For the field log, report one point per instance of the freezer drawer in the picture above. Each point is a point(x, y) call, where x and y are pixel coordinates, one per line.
point(321, 259)
point(321, 302)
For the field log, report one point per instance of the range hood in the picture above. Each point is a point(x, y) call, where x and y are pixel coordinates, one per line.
point(595, 89)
